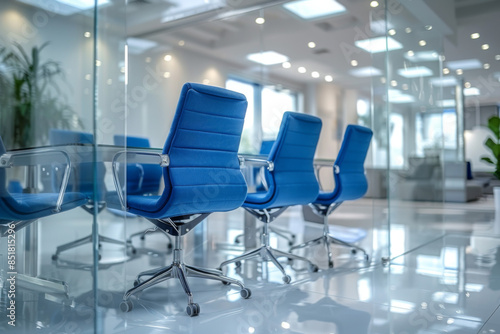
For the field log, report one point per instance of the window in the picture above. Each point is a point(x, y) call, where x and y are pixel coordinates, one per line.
point(266, 105)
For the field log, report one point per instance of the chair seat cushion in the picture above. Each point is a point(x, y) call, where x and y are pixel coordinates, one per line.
point(21, 206)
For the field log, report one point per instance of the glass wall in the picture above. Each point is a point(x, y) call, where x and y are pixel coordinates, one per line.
point(62, 77)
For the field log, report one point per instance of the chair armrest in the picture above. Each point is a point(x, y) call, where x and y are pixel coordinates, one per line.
point(319, 164)
point(32, 157)
point(256, 162)
point(142, 157)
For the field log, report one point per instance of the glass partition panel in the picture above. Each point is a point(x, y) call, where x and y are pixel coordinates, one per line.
point(46, 124)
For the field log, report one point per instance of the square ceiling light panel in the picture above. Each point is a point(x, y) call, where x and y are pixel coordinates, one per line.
point(415, 72)
point(180, 9)
point(378, 44)
point(313, 9)
point(363, 72)
point(65, 7)
point(465, 64)
point(267, 57)
point(444, 82)
point(422, 56)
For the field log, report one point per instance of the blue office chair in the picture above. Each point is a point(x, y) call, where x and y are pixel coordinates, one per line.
point(201, 175)
point(291, 182)
point(261, 181)
point(141, 179)
point(350, 184)
point(20, 209)
point(82, 180)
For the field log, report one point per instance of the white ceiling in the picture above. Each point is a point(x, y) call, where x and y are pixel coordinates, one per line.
point(227, 30)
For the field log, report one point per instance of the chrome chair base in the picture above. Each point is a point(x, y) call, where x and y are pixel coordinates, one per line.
point(287, 235)
point(88, 239)
point(326, 239)
point(267, 253)
point(178, 269)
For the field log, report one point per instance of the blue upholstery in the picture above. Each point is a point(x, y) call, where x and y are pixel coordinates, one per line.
point(141, 178)
point(204, 173)
point(293, 181)
point(350, 180)
point(27, 206)
point(82, 176)
point(266, 146)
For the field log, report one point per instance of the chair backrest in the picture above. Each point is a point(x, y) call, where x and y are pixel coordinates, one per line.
point(348, 171)
point(82, 174)
point(293, 181)
point(204, 173)
point(141, 178)
point(265, 147)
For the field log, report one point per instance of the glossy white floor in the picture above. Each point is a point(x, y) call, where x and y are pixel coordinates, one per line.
point(447, 279)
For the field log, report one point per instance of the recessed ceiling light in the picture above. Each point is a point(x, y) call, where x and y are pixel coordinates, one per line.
point(378, 44)
point(260, 20)
point(267, 57)
point(467, 85)
point(302, 69)
point(311, 45)
point(312, 9)
point(392, 32)
point(408, 30)
point(374, 4)
point(181, 43)
point(459, 71)
point(354, 63)
point(497, 57)
point(410, 53)
point(328, 78)
point(167, 58)
point(428, 27)
point(485, 46)
point(315, 74)
point(446, 70)
point(166, 75)
point(405, 86)
point(465, 64)
point(415, 72)
point(422, 43)
point(475, 35)
point(286, 64)
point(363, 72)
point(394, 83)
point(486, 66)
point(87, 34)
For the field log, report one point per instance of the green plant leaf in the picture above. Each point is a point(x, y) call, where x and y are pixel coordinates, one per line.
point(488, 160)
point(494, 125)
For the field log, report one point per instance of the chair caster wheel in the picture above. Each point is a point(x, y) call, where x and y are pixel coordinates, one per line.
point(313, 268)
point(245, 293)
point(193, 309)
point(133, 250)
point(237, 264)
point(353, 251)
point(367, 258)
point(55, 257)
point(169, 246)
point(226, 283)
point(136, 283)
point(287, 279)
point(330, 264)
point(142, 237)
point(99, 257)
point(236, 241)
point(126, 306)
point(290, 243)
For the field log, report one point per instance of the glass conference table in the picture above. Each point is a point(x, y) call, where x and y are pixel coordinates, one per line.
point(33, 158)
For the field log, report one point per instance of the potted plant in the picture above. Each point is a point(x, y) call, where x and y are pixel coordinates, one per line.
point(30, 100)
point(493, 144)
